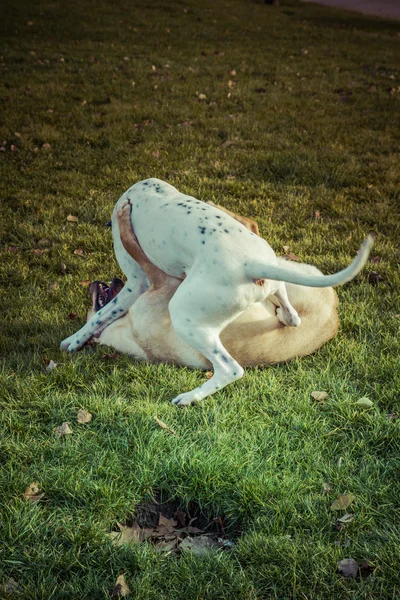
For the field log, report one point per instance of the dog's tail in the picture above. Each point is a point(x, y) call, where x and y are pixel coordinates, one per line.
point(258, 270)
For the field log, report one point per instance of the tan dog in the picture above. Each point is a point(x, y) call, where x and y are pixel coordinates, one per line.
point(256, 337)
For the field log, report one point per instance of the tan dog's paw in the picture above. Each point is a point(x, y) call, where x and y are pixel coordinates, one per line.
point(294, 320)
point(124, 210)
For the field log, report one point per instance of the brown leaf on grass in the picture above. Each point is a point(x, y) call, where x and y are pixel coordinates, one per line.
point(319, 396)
point(167, 546)
point(53, 286)
point(44, 242)
point(286, 249)
point(72, 219)
point(51, 366)
point(164, 426)
point(347, 518)
point(111, 356)
point(375, 260)
point(348, 567)
point(167, 525)
point(228, 143)
point(79, 252)
point(83, 416)
point(155, 154)
point(200, 545)
point(326, 487)
point(37, 251)
point(317, 215)
point(11, 586)
point(342, 501)
point(209, 374)
point(85, 282)
point(121, 588)
point(32, 493)
point(127, 535)
point(63, 429)
point(291, 256)
point(365, 402)
point(46, 146)
point(13, 249)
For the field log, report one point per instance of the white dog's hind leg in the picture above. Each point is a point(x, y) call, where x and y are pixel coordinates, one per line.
point(286, 313)
point(198, 320)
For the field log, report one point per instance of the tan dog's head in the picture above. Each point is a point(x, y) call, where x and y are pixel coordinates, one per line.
point(102, 294)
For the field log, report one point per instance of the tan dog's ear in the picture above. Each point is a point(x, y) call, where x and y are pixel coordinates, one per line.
point(248, 223)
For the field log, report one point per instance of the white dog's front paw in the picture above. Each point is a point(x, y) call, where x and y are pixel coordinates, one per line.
point(186, 399)
point(72, 343)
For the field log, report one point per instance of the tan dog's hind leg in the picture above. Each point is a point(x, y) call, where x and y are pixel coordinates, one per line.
point(132, 246)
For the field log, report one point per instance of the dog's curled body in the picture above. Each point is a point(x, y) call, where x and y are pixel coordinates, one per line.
point(225, 269)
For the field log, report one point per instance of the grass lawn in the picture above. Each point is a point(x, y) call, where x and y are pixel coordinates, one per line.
point(289, 115)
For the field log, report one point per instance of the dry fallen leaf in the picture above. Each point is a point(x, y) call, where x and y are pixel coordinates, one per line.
point(317, 215)
point(291, 256)
point(46, 146)
point(365, 402)
point(63, 429)
point(326, 487)
point(51, 366)
point(348, 567)
point(72, 219)
point(342, 501)
point(84, 416)
point(164, 426)
point(84, 282)
point(319, 396)
point(121, 588)
point(78, 252)
point(166, 525)
point(347, 518)
point(200, 545)
point(32, 493)
point(209, 374)
point(127, 535)
point(53, 286)
point(44, 242)
point(111, 356)
point(11, 586)
point(167, 546)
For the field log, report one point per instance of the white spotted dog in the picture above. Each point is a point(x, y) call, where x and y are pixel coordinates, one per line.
point(225, 269)
point(256, 337)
